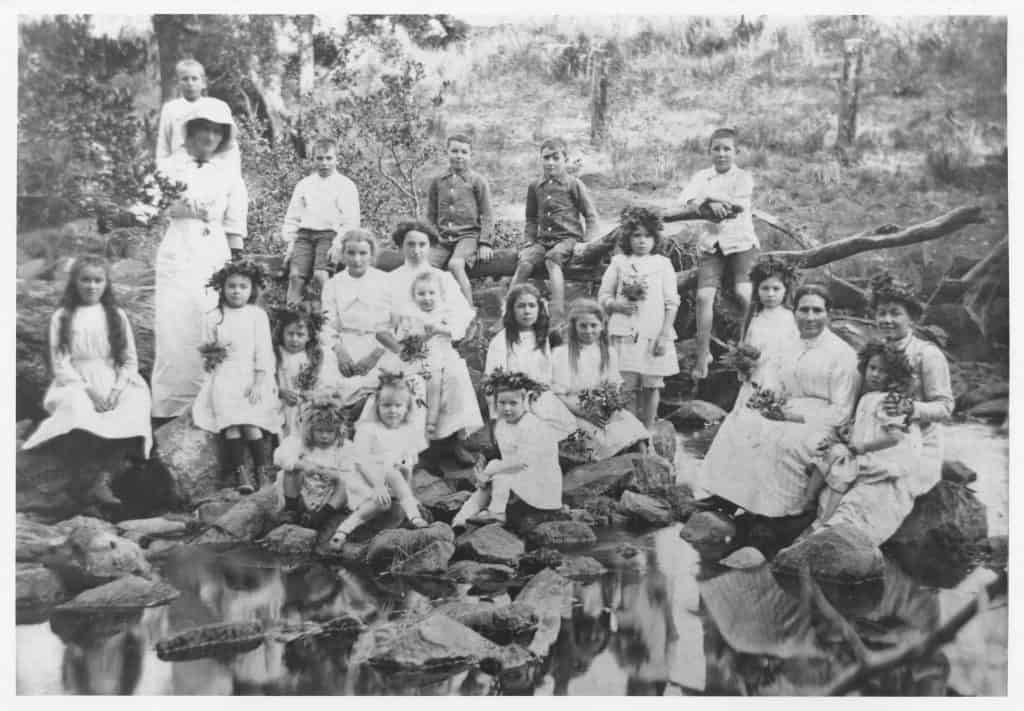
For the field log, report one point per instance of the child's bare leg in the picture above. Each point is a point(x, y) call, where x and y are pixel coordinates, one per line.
point(705, 320)
point(406, 499)
point(457, 266)
point(296, 285)
point(474, 505)
point(744, 292)
point(320, 276)
point(651, 397)
point(634, 400)
point(364, 513)
point(433, 402)
point(501, 489)
point(557, 289)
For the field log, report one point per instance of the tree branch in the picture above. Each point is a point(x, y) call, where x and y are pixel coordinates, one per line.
point(923, 648)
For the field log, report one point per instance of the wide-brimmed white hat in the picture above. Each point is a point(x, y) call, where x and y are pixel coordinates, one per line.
point(207, 108)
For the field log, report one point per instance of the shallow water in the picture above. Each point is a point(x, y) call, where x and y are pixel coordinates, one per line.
point(660, 622)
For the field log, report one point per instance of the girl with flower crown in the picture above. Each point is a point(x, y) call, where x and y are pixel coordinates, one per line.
point(239, 397)
point(304, 366)
point(528, 466)
point(639, 293)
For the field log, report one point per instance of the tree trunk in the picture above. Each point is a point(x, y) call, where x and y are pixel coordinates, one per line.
point(849, 93)
point(304, 40)
point(598, 100)
point(169, 31)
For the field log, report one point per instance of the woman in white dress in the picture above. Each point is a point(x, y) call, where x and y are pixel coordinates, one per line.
point(96, 383)
point(206, 228)
point(766, 470)
point(459, 412)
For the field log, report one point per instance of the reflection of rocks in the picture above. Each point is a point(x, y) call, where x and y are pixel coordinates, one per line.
point(128, 592)
point(551, 596)
point(502, 624)
point(838, 554)
point(90, 557)
point(390, 545)
point(663, 439)
point(580, 566)
point(33, 539)
point(939, 541)
point(211, 640)
point(433, 644)
point(476, 573)
point(644, 510)
point(489, 544)
point(562, 534)
point(37, 587)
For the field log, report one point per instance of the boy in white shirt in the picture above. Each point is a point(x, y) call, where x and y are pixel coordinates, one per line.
point(723, 193)
point(324, 206)
point(170, 135)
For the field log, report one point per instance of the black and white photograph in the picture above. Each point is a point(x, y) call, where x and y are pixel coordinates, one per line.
point(550, 354)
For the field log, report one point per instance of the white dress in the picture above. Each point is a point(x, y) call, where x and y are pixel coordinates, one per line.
point(532, 442)
point(190, 252)
point(323, 468)
point(774, 333)
point(289, 367)
point(623, 429)
point(933, 405)
point(525, 357)
point(634, 336)
point(90, 363)
point(379, 449)
point(221, 402)
point(356, 310)
point(761, 464)
point(871, 491)
point(459, 408)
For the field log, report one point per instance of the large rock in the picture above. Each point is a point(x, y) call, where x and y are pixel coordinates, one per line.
point(955, 471)
point(695, 414)
point(433, 644)
point(89, 558)
point(475, 573)
point(54, 480)
point(143, 530)
point(34, 539)
point(838, 554)
point(977, 395)
point(431, 559)
point(37, 587)
point(289, 539)
point(550, 595)
point(580, 566)
point(90, 523)
point(437, 496)
point(610, 477)
point(444, 508)
point(562, 534)
point(213, 507)
point(540, 558)
point(711, 533)
point(125, 593)
point(191, 456)
point(644, 510)
point(249, 519)
point(401, 543)
point(502, 624)
point(489, 544)
point(939, 542)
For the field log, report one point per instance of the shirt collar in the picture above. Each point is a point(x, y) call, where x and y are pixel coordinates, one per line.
point(563, 179)
point(465, 175)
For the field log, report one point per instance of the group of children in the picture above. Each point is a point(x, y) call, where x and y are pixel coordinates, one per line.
point(384, 342)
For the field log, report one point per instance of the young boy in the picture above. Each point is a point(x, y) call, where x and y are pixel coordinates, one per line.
point(557, 209)
point(459, 207)
point(170, 137)
point(728, 242)
point(324, 206)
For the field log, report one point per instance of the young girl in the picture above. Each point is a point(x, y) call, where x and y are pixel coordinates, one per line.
point(587, 361)
point(388, 441)
point(459, 413)
point(867, 479)
point(357, 306)
point(529, 455)
point(770, 326)
point(523, 346)
point(638, 290)
point(239, 395)
point(316, 450)
point(451, 399)
point(303, 365)
point(96, 383)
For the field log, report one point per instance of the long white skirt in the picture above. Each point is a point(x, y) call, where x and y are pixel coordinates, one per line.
point(623, 430)
point(184, 262)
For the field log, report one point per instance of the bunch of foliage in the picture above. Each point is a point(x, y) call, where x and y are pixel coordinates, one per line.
point(599, 403)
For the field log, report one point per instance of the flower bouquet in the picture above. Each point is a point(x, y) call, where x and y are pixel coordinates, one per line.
point(742, 358)
point(601, 402)
point(634, 286)
point(306, 377)
point(768, 403)
point(413, 348)
point(576, 449)
point(213, 355)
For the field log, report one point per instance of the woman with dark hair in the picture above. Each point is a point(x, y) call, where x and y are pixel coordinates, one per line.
point(206, 228)
point(774, 441)
point(896, 310)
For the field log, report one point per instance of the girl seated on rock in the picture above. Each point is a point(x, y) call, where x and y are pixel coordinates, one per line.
point(587, 362)
point(239, 396)
point(303, 364)
point(388, 441)
point(317, 456)
point(529, 455)
point(523, 346)
point(96, 383)
point(867, 476)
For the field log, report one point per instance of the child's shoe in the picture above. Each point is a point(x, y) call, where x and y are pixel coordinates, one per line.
point(418, 522)
point(101, 492)
point(245, 483)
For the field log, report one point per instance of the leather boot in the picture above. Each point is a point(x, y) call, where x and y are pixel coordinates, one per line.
point(245, 485)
